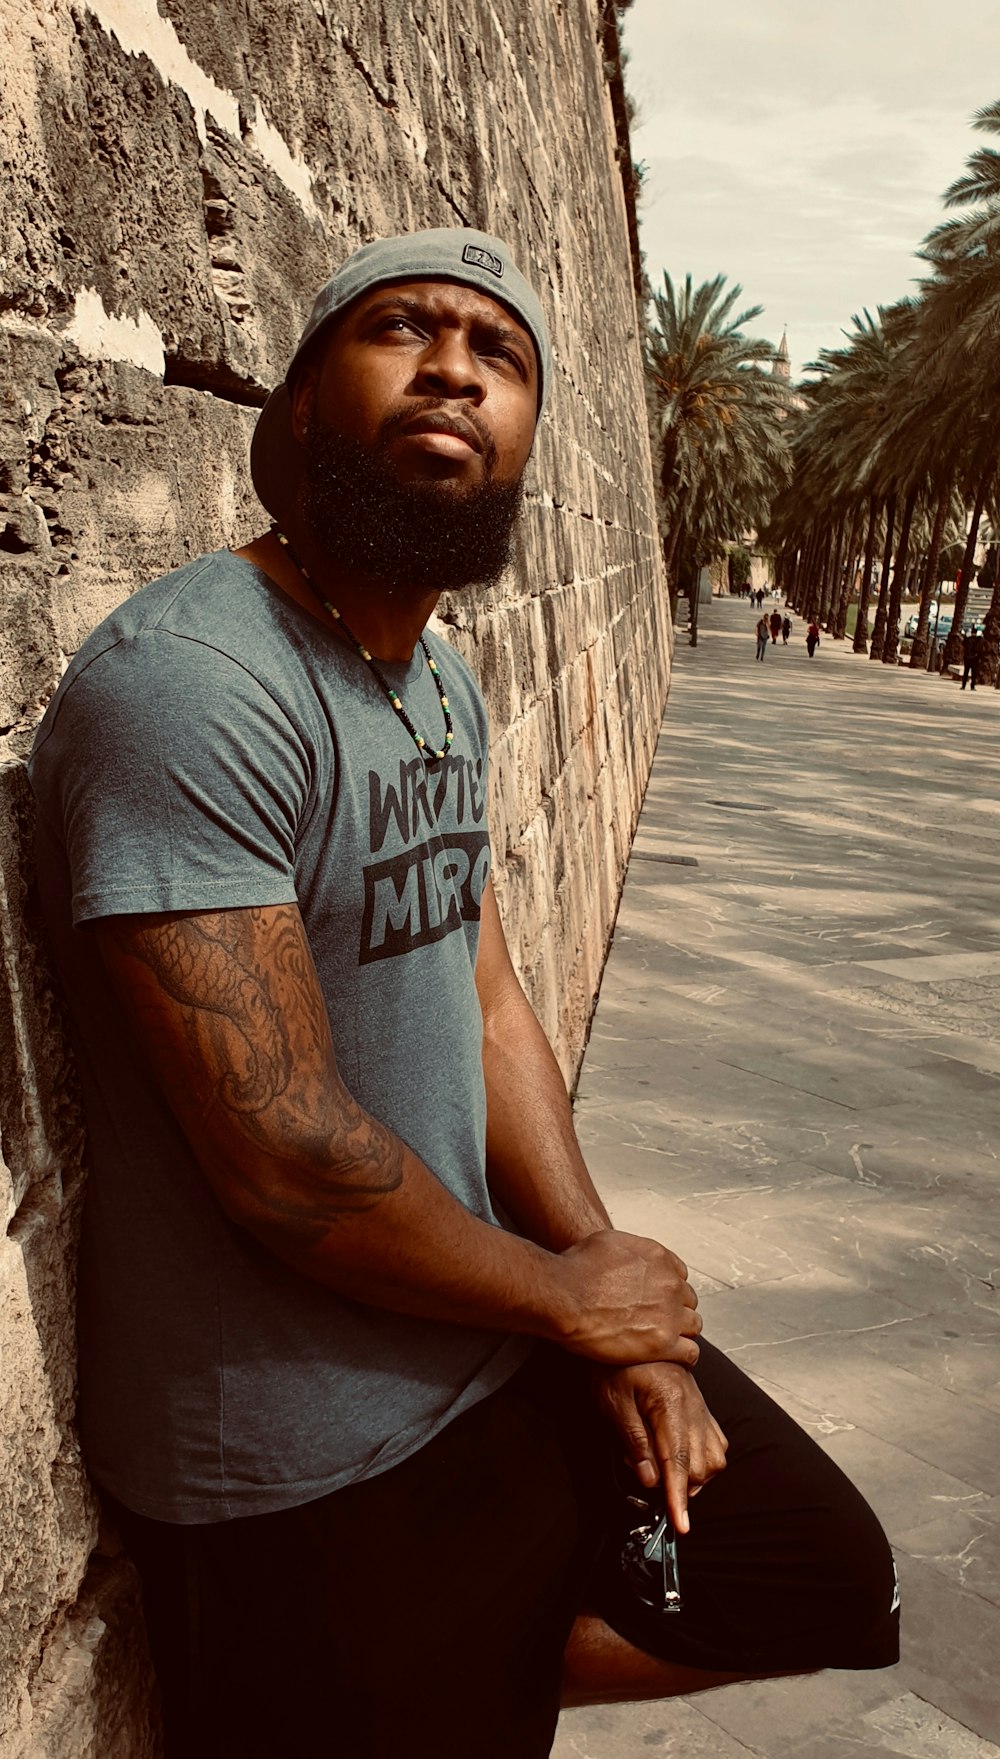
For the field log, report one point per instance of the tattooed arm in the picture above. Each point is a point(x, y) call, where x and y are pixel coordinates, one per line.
point(228, 1010)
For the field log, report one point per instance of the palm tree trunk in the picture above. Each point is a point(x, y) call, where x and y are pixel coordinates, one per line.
point(881, 609)
point(788, 572)
point(830, 574)
point(951, 646)
point(807, 568)
point(671, 548)
point(850, 569)
point(814, 598)
point(989, 661)
point(695, 602)
point(891, 648)
point(861, 626)
point(918, 656)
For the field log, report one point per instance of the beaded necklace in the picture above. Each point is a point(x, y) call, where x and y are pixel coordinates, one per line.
point(427, 753)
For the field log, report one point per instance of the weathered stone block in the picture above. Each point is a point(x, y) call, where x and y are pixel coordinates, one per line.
point(46, 1517)
point(117, 472)
point(40, 1126)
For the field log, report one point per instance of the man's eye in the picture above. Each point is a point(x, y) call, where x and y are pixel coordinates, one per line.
point(498, 352)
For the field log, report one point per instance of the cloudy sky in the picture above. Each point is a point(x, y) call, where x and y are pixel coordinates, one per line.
point(802, 149)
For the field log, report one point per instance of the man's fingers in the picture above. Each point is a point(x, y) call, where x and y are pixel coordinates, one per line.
point(672, 1440)
point(675, 1484)
point(668, 1430)
point(698, 1468)
point(639, 1448)
point(708, 1452)
point(719, 1444)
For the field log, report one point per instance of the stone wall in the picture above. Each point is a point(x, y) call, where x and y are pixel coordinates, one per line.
point(178, 181)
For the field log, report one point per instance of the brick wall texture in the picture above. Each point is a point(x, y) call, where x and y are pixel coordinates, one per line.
point(178, 181)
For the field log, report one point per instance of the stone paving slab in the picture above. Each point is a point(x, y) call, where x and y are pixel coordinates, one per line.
point(950, 1647)
point(793, 1079)
point(778, 1717)
point(908, 1493)
point(625, 1731)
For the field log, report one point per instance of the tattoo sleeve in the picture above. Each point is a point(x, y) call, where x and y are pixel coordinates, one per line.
point(229, 1010)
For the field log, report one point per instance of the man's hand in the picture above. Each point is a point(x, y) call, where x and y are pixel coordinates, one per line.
point(627, 1299)
point(669, 1432)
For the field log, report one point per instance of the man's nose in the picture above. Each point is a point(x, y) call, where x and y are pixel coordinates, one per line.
point(448, 368)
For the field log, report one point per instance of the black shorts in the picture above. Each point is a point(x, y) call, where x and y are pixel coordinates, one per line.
point(425, 1611)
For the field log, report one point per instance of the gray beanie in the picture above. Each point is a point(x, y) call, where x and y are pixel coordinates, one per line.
point(447, 253)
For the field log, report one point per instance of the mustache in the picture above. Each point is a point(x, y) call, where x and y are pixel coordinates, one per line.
point(406, 414)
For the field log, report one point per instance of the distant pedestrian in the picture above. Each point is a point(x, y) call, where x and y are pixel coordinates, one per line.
point(972, 648)
point(775, 624)
point(762, 635)
point(786, 630)
point(812, 639)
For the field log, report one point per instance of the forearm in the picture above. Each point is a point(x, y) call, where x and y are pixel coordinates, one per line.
point(361, 1214)
point(372, 1222)
point(535, 1167)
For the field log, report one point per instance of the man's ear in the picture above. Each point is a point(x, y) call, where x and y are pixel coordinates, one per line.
point(303, 398)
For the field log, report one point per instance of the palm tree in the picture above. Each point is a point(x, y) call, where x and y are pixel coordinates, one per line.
point(845, 470)
point(718, 422)
point(962, 300)
point(900, 434)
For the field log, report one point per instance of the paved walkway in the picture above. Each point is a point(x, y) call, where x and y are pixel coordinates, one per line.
point(793, 1079)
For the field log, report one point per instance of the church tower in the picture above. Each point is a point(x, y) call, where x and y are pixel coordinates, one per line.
point(781, 366)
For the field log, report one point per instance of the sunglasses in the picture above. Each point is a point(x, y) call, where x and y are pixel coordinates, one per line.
point(649, 1558)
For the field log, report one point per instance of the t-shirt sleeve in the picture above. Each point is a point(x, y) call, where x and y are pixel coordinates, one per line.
point(177, 780)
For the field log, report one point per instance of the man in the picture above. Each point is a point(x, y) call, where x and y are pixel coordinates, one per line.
point(763, 632)
point(972, 647)
point(335, 1190)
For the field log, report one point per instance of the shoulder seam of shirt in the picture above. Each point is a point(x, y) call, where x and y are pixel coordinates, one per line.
point(151, 633)
point(214, 648)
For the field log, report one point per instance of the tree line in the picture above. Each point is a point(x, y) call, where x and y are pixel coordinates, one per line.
point(885, 463)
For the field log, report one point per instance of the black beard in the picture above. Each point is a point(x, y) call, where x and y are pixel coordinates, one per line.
point(425, 536)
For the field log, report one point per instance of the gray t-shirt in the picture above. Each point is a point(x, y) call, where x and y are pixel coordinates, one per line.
point(214, 746)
